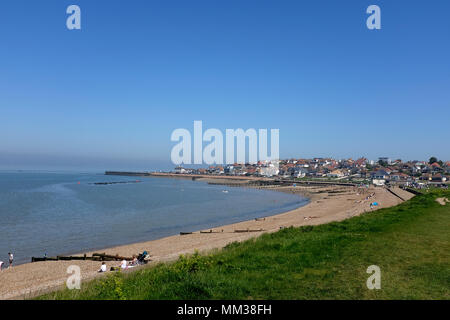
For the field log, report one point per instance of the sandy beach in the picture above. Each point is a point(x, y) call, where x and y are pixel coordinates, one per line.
point(328, 203)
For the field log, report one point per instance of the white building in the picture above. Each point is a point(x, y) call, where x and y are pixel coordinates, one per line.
point(270, 170)
point(379, 182)
point(180, 170)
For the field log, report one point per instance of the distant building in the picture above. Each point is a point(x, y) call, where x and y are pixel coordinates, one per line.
point(385, 159)
point(269, 171)
point(180, 170)
point(336, 174)
point(399, 177)
point(425, 177)
point(436, 166)
point(229, 169)
point(438, 178)
point(300, 172)
point(380, 175)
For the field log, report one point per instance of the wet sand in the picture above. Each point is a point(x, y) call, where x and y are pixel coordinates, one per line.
point(328, 203)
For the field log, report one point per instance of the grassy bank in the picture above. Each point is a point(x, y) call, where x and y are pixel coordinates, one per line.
point(410, 243)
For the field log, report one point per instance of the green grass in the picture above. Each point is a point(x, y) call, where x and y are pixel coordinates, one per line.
point(409, 242)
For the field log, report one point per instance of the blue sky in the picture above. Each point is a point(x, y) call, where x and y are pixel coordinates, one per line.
point(109, 96)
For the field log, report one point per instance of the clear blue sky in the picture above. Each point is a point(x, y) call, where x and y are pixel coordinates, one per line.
point(109, 96)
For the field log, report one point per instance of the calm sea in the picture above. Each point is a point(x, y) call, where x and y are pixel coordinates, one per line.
point(64, 213)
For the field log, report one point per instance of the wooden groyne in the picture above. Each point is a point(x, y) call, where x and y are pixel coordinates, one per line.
point(94, 257)
point(389, 189)
point(115, 182)
point(221, 231)
point(212, 231)
point(417, 193)
point(126, 173)
point(248, 230)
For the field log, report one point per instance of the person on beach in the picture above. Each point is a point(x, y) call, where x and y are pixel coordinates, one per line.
point(123, 265)
point(103, 267)
point(11, 259)
point(1, 264)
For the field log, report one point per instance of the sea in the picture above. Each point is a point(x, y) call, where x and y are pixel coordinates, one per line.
point(58, 213)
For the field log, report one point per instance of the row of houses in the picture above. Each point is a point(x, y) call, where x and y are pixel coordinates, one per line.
point(381, 171)
point(266, 169)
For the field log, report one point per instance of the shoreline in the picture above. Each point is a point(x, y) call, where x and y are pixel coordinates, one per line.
point(327, 204)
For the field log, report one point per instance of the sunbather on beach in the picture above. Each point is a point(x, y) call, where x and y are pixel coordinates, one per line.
point(103, 267)
point(143, 258)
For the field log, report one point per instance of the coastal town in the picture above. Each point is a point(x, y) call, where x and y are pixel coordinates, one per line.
point(378, 172)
